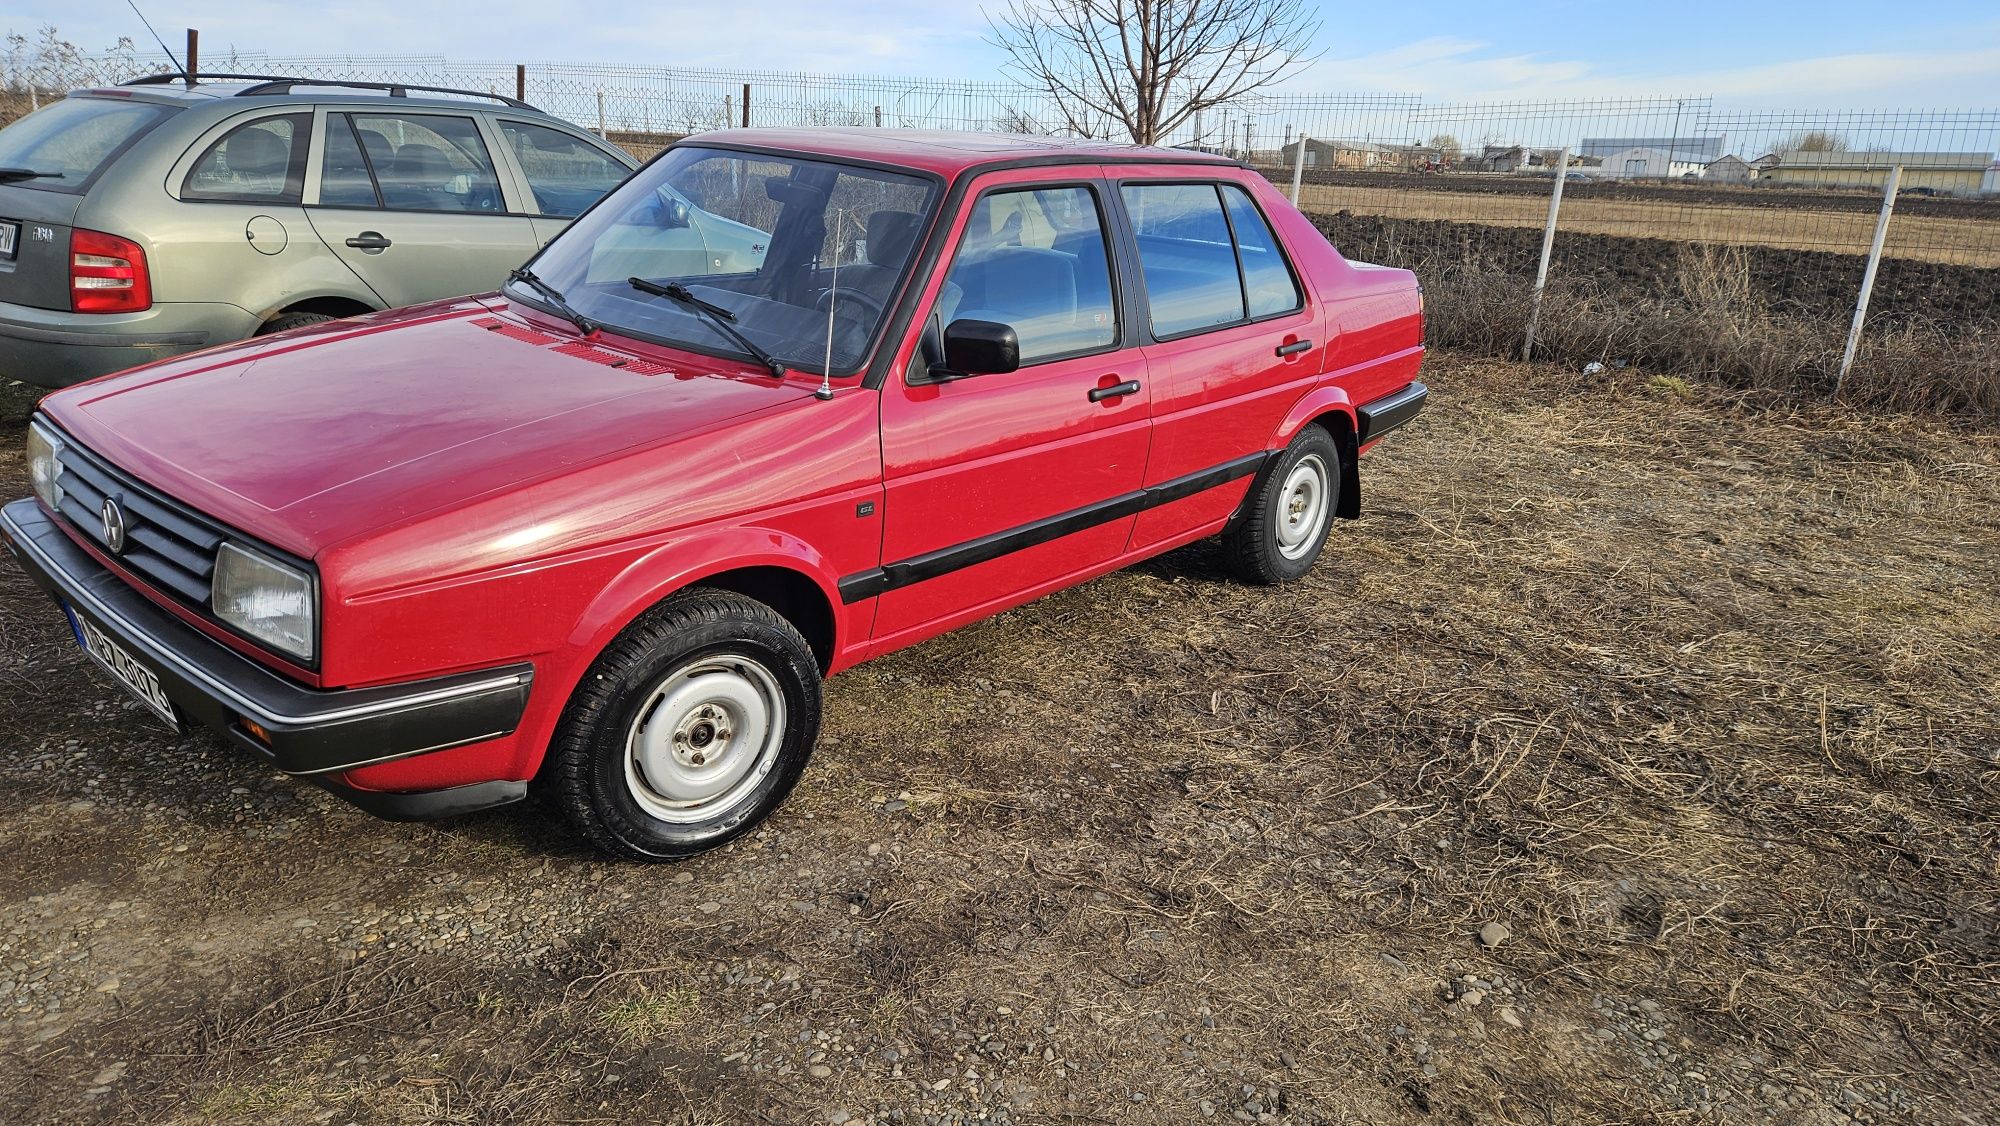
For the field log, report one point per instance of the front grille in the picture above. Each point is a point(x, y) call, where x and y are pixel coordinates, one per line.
point(168, 544)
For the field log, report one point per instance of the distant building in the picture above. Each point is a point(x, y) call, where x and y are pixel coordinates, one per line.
point(1347, 155)
point(1991, 184)
point(1703, 148)
point(1952, 173)
point(1509, 158)
point(1729, 170)
point(1653, 164)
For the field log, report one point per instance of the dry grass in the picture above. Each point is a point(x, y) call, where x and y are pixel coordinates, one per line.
point(1710, 323)
point(1696, 693)
point(1927, 238)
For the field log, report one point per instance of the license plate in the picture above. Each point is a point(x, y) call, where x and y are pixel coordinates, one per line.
point(139, 680)
point(10, 234)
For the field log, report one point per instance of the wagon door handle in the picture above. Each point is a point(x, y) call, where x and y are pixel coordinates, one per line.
point(369, 240)
point(1295, 347)
point(1115, 391)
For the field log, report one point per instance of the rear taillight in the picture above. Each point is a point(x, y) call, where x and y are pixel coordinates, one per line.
point(107, 274)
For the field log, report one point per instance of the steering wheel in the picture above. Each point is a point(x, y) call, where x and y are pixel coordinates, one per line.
point(843, 296)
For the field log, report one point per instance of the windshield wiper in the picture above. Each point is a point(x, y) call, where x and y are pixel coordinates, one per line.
point(721, 319)
point(554, 297)
point(9, 175)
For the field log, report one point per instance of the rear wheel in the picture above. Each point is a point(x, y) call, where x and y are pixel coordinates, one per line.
point(285, 322)
point(1284, 523)
point(689, 729)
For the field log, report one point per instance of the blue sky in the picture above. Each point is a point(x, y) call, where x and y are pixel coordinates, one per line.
point(1792, 54)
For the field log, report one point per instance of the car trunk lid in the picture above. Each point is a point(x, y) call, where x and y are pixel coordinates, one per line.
point(35, 271)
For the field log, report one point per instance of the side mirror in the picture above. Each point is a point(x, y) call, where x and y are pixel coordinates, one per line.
point(676, 214)
point(977, 348)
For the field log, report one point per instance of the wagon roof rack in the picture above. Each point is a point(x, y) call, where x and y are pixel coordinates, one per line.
point(280, 84)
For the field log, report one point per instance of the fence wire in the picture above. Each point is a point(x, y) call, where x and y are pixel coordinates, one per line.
point(1393, 178)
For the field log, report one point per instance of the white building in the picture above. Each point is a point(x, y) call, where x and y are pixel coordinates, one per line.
point(1652, 164)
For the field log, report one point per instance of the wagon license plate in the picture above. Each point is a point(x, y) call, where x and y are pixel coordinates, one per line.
point(126, 669)
point(10, 236)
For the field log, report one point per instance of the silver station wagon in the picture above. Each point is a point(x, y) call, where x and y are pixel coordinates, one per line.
point(165, 215)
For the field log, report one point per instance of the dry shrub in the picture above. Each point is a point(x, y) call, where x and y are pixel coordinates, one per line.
point(1707, 321)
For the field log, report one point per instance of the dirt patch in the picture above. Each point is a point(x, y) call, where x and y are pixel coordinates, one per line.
point(1695, 698)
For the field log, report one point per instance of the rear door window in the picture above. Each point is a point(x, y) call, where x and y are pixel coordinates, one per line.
point(430, 162)
point(75, 139)
point(344, 179)
point(566, 174)
point(262, 161)
point(1186, 257)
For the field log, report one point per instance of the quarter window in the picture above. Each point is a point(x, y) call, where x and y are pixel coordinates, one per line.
point(1208, 257)
point(426, 162)
point(263, 161)
point(565, 174)
point(1036, 260)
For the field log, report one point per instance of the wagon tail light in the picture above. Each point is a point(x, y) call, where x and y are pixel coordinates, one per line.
point(107, 274)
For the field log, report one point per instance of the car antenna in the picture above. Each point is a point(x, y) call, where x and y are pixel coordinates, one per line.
point(825, 389)
point(186, 76)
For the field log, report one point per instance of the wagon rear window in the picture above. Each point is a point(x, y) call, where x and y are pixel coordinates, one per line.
point(74, 139)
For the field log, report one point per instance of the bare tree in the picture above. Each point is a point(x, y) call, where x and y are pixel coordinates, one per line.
point(1447, 146)
point(1014, 119)
point(1148, 66)
point(1814, 140)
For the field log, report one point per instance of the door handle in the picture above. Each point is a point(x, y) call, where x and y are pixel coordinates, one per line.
point(1295, 347)
point(369, 240)
point(1115, 391)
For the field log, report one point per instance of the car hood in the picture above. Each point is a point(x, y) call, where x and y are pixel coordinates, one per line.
point(311, 438)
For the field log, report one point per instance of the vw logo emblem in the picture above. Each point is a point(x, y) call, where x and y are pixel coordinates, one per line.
point(114, 525)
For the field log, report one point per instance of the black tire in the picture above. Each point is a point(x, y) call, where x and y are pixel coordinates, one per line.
point(602, 763)
point(285, 322)
point(1256, 543)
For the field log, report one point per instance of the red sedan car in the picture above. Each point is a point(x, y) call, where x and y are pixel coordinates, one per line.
point(783, 402)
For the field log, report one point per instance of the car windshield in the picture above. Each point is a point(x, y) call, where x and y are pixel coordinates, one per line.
point(805, 255)
point(72, 139)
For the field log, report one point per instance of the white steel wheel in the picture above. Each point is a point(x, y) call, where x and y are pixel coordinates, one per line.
point(704, 739)
point(1304, 503)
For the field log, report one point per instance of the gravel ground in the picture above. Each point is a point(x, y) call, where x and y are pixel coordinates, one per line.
point(1633, 759)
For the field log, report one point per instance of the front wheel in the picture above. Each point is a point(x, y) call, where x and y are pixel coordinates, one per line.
point(1284, 522)
point(690, 728)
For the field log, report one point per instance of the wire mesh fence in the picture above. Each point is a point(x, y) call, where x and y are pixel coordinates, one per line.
point(1668, 197)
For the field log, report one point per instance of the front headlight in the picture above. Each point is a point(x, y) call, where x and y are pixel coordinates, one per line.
point(265, 599)
point(42, 465)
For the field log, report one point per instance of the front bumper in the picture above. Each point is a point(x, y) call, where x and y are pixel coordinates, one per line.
point(313, 733)
point(55, 347)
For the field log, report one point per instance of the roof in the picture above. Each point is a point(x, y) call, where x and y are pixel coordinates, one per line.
point(1881, 161)
point(946, 153)
point(1678, 156)
point(1707, 148)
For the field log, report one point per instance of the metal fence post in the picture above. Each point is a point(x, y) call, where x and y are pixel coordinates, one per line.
point(520, 82)
point(1868, 278)
point(1299, 169)
point(746, 105)
point(1548, 248)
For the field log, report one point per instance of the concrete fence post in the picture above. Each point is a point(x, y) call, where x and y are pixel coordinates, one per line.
point(1548, 248)
point(600, 112)
point(1299, 168)
point(1868, 278)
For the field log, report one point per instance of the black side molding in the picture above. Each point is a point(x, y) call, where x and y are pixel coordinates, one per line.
point(943, 561)
point(1382, 415)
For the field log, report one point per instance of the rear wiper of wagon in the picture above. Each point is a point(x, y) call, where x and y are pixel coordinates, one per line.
point(9, 175)
point(720, 318)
